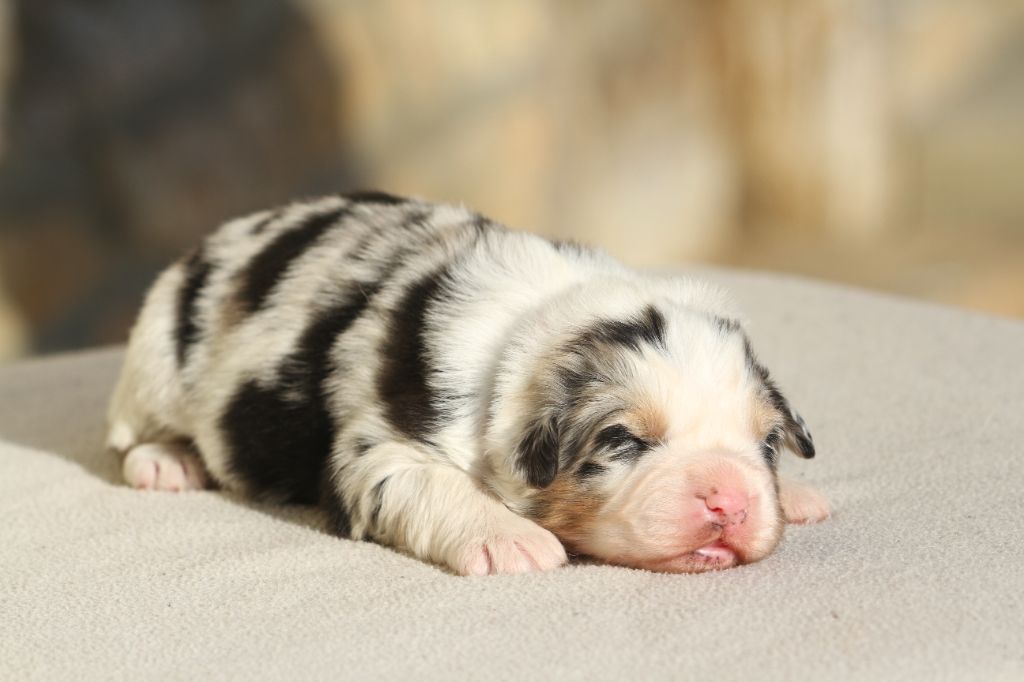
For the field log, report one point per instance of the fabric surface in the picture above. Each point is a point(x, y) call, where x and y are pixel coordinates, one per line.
point(918, 413)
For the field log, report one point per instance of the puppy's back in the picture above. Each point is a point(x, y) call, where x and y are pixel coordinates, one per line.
point(284, 324)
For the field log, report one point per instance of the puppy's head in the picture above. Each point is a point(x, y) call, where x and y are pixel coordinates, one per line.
point(651, 439)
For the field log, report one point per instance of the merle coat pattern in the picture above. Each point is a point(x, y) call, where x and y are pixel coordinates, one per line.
point(477, 397)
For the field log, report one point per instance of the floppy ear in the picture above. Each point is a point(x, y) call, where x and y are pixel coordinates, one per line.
point(538, 452)
point(795, 434)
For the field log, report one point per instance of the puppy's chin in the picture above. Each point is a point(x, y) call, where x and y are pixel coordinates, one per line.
point(712, 557)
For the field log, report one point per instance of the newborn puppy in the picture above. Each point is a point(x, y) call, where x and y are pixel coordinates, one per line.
point(479, 398)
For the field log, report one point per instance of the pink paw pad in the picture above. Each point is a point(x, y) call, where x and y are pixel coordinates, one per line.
point(155, 466)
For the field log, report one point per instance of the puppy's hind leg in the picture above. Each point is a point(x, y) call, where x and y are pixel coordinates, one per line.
point(148, 425)
point(164, 466)
point(401, 497)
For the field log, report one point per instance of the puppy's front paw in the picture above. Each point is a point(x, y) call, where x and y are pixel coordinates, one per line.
point(522, 548)
point(802, 504)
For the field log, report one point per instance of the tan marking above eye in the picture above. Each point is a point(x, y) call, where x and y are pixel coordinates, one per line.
point(647, 422)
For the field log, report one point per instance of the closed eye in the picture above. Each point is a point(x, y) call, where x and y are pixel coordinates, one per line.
point(622, 443)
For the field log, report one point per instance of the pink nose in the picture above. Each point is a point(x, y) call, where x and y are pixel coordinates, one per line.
point(727, 507)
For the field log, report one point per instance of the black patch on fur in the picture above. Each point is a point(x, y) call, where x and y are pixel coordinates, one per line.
point(279, 444)
point(402, 383)
point(538, 453)
point(624, 445)
point(372, 196)
point(338, 520)
point(361, 447)
point(590, 470)
point(775, 396)
point(575, 380)
point(770, 448)
point(281, 434)
point(574, 386)
point(573, 247)
point(265, 270)
point(613, 437)
point(186, 330)
point(482, 224)
point(648, 327)
point(726, 325)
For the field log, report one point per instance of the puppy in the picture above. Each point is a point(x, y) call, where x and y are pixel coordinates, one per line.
point(479, 398)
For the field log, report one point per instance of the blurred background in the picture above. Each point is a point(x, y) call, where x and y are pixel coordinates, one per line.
point(872, 142)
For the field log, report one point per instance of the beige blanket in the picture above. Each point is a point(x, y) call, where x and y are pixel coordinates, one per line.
point(918, 413)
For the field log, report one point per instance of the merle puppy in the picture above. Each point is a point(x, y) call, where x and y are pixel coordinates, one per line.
point(477, 397)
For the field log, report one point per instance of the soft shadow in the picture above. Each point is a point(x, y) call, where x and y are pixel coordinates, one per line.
point(58, 405)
